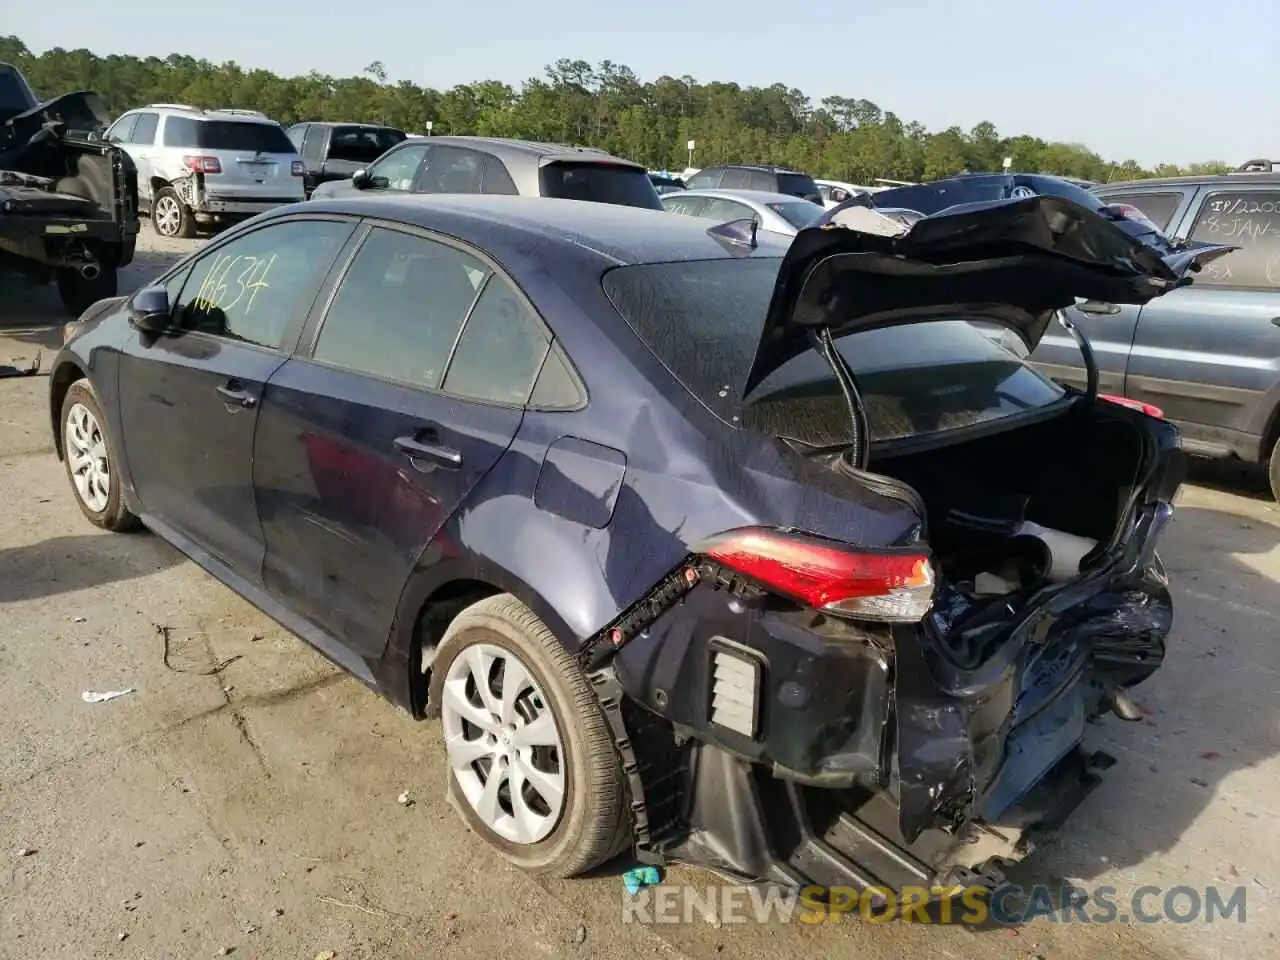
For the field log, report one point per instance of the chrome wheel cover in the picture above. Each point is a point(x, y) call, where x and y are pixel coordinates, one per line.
point(85, 449)
point(503, 743)
point(168, 217)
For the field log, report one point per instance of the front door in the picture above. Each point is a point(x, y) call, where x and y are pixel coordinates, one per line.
point(189, 399)
point(367, 446)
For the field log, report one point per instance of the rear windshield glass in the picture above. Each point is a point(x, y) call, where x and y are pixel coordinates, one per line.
point(798, 185)
point(600, 183)
point(226, 135)
point(801, 213)
point(702, 319)
point(362, 144)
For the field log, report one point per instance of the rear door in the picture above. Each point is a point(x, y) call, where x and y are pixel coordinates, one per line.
point(1209, 354)
point(189, 400)
point(404, 394)
point(1110, 328)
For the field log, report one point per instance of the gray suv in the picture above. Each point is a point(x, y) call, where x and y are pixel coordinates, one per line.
point(1207, 355)
point(207, 167)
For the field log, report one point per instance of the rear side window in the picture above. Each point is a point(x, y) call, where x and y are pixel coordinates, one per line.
point(226, 135)
point(451, 170)
point(362, 144)
point(399, 308)
point(736, 180)
point(600, 183)
point(798, 185)
point(1249, 220)
point(686, 205)
point(496, 178)
point(798, 213)
point(1159, 208)
point(761, 180)
point(501, 349)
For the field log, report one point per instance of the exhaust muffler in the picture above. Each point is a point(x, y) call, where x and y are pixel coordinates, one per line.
point(90, 271)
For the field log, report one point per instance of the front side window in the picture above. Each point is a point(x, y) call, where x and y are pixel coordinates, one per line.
point(313, 143)
point(706, 179)
point(295, 134)
point(144, 134)
point(250, 289)
point(398, 309)
point(799, 213)
point(122, 130)
point(501, 349)
point(1249, 220)
point(398, 169)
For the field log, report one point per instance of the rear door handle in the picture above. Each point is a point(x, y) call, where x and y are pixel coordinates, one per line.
point(233, 392)
point(423, 446)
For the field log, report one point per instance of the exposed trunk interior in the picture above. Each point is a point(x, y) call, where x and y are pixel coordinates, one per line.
point(998, 504)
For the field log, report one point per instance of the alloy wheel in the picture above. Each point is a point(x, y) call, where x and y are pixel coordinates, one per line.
point(503, 743)
point(85, 448)
point(168, 217)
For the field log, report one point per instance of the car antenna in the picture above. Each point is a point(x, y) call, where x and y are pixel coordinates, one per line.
point(739, 233)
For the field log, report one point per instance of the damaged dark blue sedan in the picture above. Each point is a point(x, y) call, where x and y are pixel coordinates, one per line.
point(769, 559)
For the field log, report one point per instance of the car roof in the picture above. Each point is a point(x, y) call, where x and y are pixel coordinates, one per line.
point(1211, 179)
point(751, 196)
point(508, 149)
point(360, 124)
point(766, 168)
point(199, 113)
point(610, 234)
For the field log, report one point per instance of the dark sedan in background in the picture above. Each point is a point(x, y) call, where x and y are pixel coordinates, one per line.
point(730, 551)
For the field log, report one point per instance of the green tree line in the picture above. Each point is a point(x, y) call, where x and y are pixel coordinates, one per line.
point(604, 105)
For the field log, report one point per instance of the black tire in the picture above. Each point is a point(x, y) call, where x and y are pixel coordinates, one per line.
point(1273, 470)
point(114, 515)
point(186, 223)
point(594, 825)
point(78, 294)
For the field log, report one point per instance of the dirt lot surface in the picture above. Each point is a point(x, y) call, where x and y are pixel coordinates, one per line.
point(253, 809)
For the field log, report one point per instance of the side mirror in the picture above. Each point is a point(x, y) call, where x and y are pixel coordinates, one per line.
point(360, 179)
point(149, 310)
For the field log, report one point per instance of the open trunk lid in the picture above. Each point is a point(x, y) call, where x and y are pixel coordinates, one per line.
point(1015, 261)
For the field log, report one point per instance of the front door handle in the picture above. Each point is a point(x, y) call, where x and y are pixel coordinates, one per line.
point(233, 393)
point(421, 446)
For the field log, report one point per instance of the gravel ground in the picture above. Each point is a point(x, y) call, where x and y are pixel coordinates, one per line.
point(253, 809)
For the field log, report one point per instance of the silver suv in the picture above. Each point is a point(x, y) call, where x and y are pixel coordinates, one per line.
point(202, 167)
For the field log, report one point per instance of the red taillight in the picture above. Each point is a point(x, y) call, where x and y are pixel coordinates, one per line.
point(297, 168)
point(1150, 409)
point(877, 585)
point(202, 164)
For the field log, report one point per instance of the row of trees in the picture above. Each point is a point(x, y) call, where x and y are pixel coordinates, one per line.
point(605, 105)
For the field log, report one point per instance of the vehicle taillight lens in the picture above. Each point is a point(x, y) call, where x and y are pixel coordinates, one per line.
point(297, 168)
point(1150, 409)
point(202, 164)
point(894, 586)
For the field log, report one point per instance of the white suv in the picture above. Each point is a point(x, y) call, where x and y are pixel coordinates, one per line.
point(207, 166)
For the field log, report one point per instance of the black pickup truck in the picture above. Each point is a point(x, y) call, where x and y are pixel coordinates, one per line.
point(335, 151)
point(68, 201)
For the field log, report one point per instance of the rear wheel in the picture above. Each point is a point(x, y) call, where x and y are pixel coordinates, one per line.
point(170, 216)
point(89, 461)
point(532, 765)
point(1273, 470)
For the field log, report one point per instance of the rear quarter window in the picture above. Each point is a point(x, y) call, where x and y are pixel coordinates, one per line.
point(600, 183)
point(1249, 220)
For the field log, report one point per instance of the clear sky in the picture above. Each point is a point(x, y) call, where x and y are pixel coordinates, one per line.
point(1178, 80)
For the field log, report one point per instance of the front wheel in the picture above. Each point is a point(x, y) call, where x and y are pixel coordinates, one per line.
point(532, 765)
point(89, 460)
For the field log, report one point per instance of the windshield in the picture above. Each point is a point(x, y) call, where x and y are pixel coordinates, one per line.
point(600, 183)
point(226, 135)
point(799, 213)
point(702, 319)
